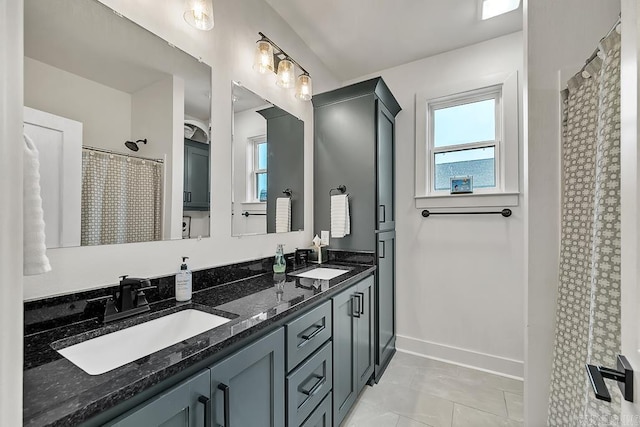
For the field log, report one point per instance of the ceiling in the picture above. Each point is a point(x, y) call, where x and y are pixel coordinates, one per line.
point(355, 38)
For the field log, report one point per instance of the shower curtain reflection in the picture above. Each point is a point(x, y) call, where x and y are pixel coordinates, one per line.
point(121, 199)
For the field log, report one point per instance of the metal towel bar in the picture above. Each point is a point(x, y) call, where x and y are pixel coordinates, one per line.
point(504, 212)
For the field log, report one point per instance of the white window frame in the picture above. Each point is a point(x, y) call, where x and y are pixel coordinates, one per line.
point(504, 88)
point(252, 167)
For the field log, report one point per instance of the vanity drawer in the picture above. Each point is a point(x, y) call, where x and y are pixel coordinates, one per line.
point(307, 333)
point(308, 385)
point(321, 416)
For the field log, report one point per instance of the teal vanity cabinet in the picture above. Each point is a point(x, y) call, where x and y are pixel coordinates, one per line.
point(196, 176)
point(353, 345)
point(247, 388)
point(310, 365)
point(354, 146)
point(185, 405)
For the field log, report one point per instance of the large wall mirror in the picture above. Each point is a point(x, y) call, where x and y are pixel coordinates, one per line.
point(268, 166)
point(121, 119)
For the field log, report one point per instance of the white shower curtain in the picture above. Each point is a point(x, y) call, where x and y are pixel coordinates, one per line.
point(588, 305)
point(121, 199)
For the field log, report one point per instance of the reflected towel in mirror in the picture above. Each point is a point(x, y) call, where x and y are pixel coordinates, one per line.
point(340, 221)
point(34, 249)
point(283, 214)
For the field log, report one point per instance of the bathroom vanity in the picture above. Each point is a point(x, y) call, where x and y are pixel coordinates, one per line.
point(299, 349)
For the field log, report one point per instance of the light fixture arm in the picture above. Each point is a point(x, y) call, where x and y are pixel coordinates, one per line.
point(281, 52)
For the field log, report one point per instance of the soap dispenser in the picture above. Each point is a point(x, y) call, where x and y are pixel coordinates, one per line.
point(279, 263)
point(183, 282)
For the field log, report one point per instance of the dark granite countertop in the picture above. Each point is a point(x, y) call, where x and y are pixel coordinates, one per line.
point(57, 393)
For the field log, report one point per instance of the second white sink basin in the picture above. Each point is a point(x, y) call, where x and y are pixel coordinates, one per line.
point(322, 273)
point(106, 352)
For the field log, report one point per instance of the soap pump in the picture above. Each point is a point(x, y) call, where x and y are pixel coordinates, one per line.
point(279, 263)
point(183, 282)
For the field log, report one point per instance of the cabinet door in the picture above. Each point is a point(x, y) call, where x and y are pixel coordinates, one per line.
point(248, 386)
point(345, 385)
point(365, 354)
point(385, 289)
point(196, 170)
point(185, 405)
point(385, 168)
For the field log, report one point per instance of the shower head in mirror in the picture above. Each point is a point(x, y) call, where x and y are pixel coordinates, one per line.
point(133, 146)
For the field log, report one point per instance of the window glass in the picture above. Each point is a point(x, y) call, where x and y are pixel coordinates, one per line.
point(476, 162)
point(464, 124)
point(261, 186)
point(262, 156)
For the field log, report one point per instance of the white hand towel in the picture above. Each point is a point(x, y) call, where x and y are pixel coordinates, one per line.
point(283, 214)
point(340, 221)
point(34, 249)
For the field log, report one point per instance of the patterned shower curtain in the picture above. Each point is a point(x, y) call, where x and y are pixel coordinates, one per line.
point(121, 199)
point(588, 307)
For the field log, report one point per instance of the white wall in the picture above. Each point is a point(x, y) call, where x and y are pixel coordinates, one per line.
point(105, 113)
point(246, 124)
point(229, 49)
point(558, 34)
point(11, 148)
point(470, 315)
point(154, 117)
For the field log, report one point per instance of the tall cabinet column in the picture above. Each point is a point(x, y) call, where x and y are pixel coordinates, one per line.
point(354, 146)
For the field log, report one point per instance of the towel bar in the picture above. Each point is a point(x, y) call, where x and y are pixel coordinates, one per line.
point(504, 212)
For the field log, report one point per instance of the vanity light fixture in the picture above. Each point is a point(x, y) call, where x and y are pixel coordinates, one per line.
point(199, 14)
point(270, 57)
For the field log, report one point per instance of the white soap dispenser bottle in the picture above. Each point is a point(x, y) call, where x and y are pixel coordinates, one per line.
point(183, 282)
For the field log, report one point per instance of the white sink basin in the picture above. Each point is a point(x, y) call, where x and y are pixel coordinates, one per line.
point(322, 273)
point(104, 353)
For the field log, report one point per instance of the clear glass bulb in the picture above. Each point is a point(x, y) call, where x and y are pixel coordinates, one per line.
point(199, 14)
point(304, 87)
point(263, 61)
point(285, 74)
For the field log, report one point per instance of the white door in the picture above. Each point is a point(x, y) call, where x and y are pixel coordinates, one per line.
point(630, 204)
point(59, 143)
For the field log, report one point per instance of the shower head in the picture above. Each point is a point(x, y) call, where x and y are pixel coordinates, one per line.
point(133, 146)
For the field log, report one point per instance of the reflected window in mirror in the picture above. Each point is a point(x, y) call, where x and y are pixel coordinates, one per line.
point(268, 158)
point(109, 105)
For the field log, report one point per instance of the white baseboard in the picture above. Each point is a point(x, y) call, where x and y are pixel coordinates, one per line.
point(460, 356)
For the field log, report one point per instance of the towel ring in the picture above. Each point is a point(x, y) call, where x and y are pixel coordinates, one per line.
point(341, 188)
point(288, 192)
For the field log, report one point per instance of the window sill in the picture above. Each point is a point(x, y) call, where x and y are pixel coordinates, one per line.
point(477, 200)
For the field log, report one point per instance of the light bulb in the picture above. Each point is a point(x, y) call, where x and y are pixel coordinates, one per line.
point(285, 74)
point(304, 87)
point(199, 14)
point(263, 61)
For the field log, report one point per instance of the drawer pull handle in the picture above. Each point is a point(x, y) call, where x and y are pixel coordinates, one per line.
point(225, 396)
point(361, 304)
point(207, 410)
point(312, 335)
point(316, 386)
point(356, 312)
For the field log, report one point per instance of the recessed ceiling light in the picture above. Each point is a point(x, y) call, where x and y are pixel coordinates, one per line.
point(491, 8)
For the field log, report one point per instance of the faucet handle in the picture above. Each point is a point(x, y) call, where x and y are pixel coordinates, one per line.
point(123, 277)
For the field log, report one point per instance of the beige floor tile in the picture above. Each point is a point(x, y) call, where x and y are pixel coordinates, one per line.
point(515, 406)
point(408, 422)
point(409, 403)
point(486, 379)
point(461, 390)
point(365, 414)
point(423, 363)
point(464, 416)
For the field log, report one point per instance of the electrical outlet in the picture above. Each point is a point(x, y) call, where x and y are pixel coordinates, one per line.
point(324, 238)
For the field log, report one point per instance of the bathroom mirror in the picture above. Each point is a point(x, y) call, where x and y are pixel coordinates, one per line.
point(268, 166)
point(121, 119)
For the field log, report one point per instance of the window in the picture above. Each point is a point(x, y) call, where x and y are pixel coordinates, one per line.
point(465, 139)
point(468, 129)
point(257, 187)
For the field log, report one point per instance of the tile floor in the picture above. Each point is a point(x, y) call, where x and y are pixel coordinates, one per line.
point(418, 392)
